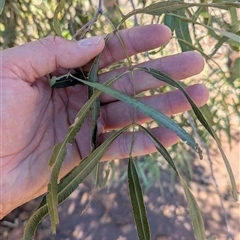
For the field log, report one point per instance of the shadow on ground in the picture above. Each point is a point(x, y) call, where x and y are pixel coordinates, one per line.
point(107, 214)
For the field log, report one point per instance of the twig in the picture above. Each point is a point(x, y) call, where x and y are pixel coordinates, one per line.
point(135, 17)
point(192, 124)
point(87, 27)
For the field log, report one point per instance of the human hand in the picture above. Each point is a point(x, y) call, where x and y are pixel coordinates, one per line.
point(35, 117)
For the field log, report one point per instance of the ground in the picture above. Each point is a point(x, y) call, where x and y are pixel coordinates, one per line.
point(108, 215)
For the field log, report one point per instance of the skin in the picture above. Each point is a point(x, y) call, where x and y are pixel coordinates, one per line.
point(34, 117)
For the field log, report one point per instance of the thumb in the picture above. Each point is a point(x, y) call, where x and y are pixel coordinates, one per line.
point(36, 59)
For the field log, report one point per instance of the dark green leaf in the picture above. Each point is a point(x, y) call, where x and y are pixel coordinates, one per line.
point(60, 151)
point(69, 183)
point(139, 210)
point(66, 80)
point(230, 35)
point(95, 108)
point(149, 111)
point(161, 149)
point(194, 211)
point(165, 78)
point(157, 9)
point(58, 155)
point(182, 31)
point(170, 6)
point(169, 21)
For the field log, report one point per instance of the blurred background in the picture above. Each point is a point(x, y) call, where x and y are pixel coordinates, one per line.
point(104, 212)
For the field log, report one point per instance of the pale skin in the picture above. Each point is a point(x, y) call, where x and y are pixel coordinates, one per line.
point(35, 117)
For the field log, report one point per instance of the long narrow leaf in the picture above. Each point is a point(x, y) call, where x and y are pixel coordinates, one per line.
point(149, 111)
point(69, 183)
point(157, 9)
point(194, 211)
point(60, 152)
point(161, 149)
point(170, 6)
point(182, 31)
point(169, 21)
point(230, 35)
point(138, 206)
point(165, 78)
point(95, 108)
point(58, 156)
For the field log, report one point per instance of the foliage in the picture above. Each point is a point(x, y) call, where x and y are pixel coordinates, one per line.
point(26, 20)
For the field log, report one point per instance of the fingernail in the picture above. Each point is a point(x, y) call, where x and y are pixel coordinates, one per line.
point(90, 41)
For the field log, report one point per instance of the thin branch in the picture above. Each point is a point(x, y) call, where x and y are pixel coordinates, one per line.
point(87, 27)
point(135, 17)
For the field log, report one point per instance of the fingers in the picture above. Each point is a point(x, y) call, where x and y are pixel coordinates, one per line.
point(135, 40)
point(117, 114)
point(36, 59)
point(120, 148)
point(177, 66)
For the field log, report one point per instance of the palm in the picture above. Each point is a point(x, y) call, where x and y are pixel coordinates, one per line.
point(36, 117)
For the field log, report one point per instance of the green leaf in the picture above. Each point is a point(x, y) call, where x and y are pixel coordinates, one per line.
point(234, 15)
point(69, 183)
point(170, 6)
point(169, 21)
point(149, 111)
point(182, 31)
point(165, 78)
point(52, 203)
point(139, 210)
point(161, 149)
point(58, 155)
point(194, 211)
point(66, 80)
point(56, 23)
point(230, 35)
point(157, 9)
point(95, 108)
point(33, 222)
point(60, 152)
point(207, 113)
point(96, 174)
point(2, 3)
